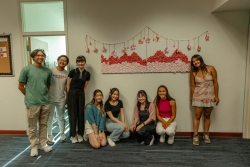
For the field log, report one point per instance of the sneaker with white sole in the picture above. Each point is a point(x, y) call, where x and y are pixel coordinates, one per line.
point(170, 139)
point(196, 141)
point(85, 136)
point(63, 138)
point(152, 141)
point(33, 152)
point(142, 142)
point(46, 148)
point(162, 138)
point(80, 138)
point(110, 141)
point(73, 139)
point(50, 140)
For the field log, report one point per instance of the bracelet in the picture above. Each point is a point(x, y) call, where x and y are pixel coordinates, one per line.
point(144, 123)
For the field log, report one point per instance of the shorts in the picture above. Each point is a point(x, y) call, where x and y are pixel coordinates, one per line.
point(88, 128)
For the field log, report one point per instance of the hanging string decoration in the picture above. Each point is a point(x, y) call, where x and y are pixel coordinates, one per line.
point(95, 49)
point(166, 50)
point(140, 41)
point(104, 49)
point(133, 46)
point(177, 62)
point(207, 37)
point(148, 39)
point(199, 47)
point(189, 46)
point(124, 48)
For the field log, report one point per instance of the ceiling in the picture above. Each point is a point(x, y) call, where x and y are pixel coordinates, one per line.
point(230, 5)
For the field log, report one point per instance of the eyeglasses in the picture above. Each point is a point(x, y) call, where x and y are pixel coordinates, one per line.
point(40, 55)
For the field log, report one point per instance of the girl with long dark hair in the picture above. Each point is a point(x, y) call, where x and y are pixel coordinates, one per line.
point(144, 119)
point(204, 95)
point(114, 109)
point(165, 108)
point(95, 120)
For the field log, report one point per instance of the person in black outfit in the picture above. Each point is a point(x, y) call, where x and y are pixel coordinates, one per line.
point(144, 119)
point(77, 83)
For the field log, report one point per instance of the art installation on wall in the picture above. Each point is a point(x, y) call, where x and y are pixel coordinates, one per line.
point(134, 63)
point(159, 62)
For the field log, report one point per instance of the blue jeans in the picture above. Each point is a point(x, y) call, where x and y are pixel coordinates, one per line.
point(116, 130)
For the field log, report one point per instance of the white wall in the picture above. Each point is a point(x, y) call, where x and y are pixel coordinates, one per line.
point(115, 21)
point(12, 109)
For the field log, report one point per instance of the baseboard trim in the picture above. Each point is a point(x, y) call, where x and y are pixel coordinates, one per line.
point(212, 134)
point(13, 132)
point(177, 134)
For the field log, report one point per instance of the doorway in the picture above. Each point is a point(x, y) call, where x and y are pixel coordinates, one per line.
point(54, 46)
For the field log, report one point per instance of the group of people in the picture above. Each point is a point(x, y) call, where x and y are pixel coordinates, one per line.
point(48, 90)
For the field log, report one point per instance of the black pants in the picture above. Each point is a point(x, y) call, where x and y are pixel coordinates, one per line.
point(145, 133)
point(76, 104)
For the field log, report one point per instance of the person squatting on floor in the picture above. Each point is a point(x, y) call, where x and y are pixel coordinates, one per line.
point(144, 119)
point(34, 83)
point(114, 109)
point(165, 108)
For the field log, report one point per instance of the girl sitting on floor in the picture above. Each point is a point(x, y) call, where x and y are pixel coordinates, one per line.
point(95, 120)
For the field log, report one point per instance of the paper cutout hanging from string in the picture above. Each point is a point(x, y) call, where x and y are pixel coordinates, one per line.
point(145, 39)
point(159, 62)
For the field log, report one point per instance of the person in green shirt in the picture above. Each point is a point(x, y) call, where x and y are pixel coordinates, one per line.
point(34, 82)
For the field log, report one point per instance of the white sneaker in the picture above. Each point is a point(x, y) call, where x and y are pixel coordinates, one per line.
point(73, 140)
point(162, 138)
point(85, 137)
point(142, 142)
point(63, 138)
point(152, 141)
point(80, 138)
point(170, 139)
point(46, 148)
point(111, 143)
point(33, 152)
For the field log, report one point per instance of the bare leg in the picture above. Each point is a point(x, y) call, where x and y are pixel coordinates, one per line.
point(207, 113)
point(197, 116)
point(104, 140)
point(93, 141)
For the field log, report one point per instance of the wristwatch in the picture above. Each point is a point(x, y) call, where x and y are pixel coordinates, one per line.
point(100, 131)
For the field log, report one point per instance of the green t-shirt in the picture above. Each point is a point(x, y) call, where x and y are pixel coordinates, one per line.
point(36, 80)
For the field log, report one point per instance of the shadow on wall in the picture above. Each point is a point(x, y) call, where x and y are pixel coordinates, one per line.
point(233, 28)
